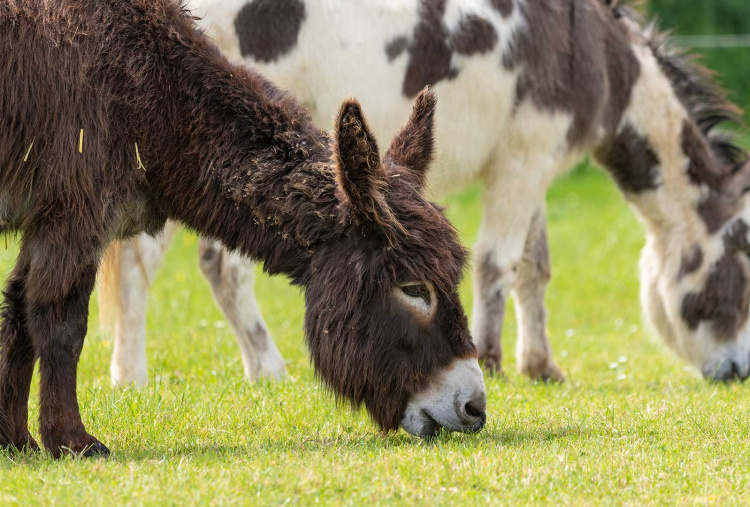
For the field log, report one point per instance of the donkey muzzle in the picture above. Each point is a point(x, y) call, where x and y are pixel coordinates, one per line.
point(456, 400)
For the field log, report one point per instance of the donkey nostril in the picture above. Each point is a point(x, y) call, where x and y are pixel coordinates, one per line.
point(475, 408)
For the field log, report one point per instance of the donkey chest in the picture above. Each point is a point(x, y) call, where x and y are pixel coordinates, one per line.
point(134, 215)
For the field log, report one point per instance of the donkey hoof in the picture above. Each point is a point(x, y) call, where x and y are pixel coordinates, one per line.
point(80, 445)
point(24, 445)
point(492, 363)
point(553, 374)
point(28, 445)
point(97, 450)
point(550, 373)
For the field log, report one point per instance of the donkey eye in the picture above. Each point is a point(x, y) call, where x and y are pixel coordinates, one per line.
point(417, 290)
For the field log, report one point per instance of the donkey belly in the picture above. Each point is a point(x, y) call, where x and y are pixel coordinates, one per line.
point(11, 213)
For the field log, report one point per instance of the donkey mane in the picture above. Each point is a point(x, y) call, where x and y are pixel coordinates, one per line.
point(704, 98)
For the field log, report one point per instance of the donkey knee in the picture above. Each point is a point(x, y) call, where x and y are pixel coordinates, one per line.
point(536, 267)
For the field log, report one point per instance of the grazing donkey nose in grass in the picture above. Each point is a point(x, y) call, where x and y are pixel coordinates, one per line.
point(456, 401)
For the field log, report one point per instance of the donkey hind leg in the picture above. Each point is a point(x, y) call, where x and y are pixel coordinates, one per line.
point(16, 364)
point(232, 278)
point(140, 259)
point(533, 350)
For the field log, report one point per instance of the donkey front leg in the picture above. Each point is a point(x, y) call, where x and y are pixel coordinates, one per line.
point(232, 278)
point(16, 363)
point(509, 205)
point(508, 234)
point(533, 350)
point(58, 288)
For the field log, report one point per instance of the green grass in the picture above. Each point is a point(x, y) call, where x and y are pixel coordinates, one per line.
point(630, 425)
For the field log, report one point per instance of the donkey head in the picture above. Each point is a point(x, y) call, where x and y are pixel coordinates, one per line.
point(384, 322)
point(696, 279)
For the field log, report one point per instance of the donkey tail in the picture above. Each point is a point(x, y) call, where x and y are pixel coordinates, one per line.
point(109, 288)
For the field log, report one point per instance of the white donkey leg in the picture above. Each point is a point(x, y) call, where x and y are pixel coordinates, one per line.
point(533, 350)
point(232, 278)
point(502, 236)
point(140, 259)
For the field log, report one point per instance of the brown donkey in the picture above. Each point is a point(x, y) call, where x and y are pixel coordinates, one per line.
point(116, 115)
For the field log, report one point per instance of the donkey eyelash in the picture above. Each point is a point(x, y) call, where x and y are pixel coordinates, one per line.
point(418, 291)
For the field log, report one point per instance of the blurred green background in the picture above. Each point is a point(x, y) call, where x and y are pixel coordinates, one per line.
point(710, 17)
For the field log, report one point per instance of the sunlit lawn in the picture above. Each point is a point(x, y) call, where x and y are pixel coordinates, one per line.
point(631, 424)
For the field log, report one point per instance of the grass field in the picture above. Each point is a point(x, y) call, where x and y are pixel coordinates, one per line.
point(632, 424)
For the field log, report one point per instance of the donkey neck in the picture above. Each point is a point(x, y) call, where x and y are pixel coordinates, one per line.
point(234, 157)
point(663, 161)
point(678, 208)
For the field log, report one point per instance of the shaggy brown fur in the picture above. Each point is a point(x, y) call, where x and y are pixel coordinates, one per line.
point(118, 114)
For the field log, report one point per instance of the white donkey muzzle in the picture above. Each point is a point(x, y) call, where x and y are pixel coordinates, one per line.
point(456, 401)
point(729, 362)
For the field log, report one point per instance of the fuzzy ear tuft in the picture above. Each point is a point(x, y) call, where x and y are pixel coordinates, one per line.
point(413, 147)
point(359, 171)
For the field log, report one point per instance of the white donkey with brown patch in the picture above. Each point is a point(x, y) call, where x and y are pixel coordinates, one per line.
point(527, 87)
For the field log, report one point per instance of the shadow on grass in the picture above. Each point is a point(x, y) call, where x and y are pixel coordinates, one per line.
point(316, 445)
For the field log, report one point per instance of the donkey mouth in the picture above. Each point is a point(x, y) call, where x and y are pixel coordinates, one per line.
point(430, 427)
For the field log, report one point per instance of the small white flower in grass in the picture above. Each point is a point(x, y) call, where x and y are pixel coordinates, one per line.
point(564, 353)
point(570, 333)
point(202, 323)
point(450, 490)
point(220, 324)
point(621, 376)
point(622, 359)
point(614, 365)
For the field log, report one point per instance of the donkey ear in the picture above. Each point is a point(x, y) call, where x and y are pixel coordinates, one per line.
point(359, 172)
point(414, 146)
